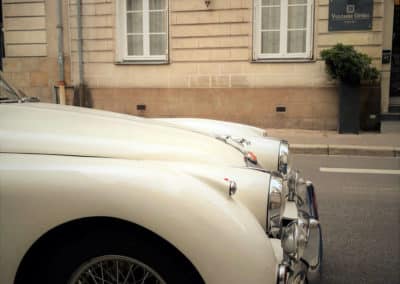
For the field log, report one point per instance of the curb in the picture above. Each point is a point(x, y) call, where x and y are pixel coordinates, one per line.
point(350, 150)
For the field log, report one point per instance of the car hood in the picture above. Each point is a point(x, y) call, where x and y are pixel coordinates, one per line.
point(214, 127)
point(254, 139)
point(65, 130)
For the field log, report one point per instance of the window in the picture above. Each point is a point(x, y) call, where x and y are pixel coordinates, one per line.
point(142, 30)
point(283, 29)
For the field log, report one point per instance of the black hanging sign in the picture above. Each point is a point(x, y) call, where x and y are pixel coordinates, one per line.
point(345, 15)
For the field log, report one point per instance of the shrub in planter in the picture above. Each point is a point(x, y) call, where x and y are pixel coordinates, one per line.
point(352, 69)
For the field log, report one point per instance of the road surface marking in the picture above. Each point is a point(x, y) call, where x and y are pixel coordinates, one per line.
point(360, 171)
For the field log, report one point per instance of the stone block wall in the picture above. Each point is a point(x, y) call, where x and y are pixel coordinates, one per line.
point(31, 46)
point(210, 48)
point(308, 108)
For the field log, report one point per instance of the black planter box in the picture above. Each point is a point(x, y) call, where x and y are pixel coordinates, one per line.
point(349, 108)
point(359, 108)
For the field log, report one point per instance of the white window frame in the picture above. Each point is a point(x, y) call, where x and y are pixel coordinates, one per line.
point(122, 42)
point(283, 54)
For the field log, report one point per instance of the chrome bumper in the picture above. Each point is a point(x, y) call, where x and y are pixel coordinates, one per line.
point(313, 255)
point(314, 250)
point(310, 264)
point(306, 201)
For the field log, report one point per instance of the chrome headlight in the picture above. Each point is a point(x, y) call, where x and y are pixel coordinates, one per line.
point(294, 238)
point(275, 205)
point(283, 159)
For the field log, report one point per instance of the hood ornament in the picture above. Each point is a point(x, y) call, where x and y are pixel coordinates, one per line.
point(251, 157)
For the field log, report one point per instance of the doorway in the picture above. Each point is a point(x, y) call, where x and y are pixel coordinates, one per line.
point(2, 53)
point(394, 105)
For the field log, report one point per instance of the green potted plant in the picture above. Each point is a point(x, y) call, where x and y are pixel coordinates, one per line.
point(351, 68)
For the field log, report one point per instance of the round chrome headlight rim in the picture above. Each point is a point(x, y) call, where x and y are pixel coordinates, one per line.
point(294, 238)
point(288, 239)
point(275, 205)
point(283, 158)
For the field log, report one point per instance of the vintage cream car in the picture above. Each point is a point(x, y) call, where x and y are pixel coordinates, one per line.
point(88, 196)
point(272, 154)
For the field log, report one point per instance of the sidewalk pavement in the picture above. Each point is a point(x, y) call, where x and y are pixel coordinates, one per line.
point(333, 143)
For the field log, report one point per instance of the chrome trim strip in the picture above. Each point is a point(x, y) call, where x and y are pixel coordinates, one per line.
point(313, 255)
point(283, 274)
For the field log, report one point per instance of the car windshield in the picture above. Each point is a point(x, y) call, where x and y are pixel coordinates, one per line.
point(7, 93)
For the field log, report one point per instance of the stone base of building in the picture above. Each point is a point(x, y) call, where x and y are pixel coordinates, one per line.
point(35, 76)
point(305, 108)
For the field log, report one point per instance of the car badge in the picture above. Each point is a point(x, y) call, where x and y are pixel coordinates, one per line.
point(232, 186)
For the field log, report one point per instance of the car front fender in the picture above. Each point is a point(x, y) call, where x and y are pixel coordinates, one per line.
point(216, 232)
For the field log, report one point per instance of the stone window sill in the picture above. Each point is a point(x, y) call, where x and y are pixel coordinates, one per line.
point(142, 62)
point(289, 60)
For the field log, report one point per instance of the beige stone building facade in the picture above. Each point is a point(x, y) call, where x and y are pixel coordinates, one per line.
point(251, 61)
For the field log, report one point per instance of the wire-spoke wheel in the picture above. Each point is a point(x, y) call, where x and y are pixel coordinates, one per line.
point(113, 253)
point(115, 269)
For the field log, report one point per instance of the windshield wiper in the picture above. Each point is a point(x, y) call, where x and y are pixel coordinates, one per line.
point(7, 100)
point(30, 99)
point(19, 100)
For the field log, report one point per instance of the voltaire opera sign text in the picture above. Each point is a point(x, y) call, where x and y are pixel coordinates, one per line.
point(345, 15)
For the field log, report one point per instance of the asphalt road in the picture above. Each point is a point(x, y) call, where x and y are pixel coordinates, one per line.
point(360, 215)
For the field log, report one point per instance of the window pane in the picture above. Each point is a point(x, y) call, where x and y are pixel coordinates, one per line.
point(270, 42)
point(297, 17)
point(270, 2)
point(132, 5)
point(270, 18)
point(135, 45)
point(134, 23)
point(297, 2)
point(157, 22)
point(296, 41)
point(157, 4)
point(157, 44)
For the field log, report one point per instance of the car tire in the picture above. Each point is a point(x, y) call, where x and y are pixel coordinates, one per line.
point(86, 254)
